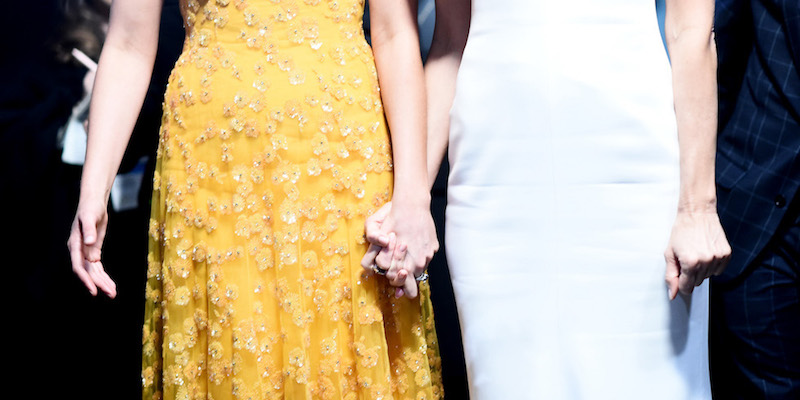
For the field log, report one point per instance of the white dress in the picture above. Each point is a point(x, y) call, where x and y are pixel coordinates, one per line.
point(562, 193)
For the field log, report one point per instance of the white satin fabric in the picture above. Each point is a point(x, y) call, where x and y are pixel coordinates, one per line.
point(561, 197)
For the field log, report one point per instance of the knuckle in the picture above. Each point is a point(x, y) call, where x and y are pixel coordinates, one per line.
point(690, 262)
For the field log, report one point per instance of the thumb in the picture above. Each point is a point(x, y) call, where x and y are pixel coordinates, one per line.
point(410, 287)
point(88, 231)
point(369, 258)
point(673, 273)
point(373, 227)
point(92, 239)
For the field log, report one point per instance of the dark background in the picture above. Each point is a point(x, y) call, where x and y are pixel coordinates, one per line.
point(65, 343)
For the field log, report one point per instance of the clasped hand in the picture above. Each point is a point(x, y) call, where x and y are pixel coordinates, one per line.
point(402, 242)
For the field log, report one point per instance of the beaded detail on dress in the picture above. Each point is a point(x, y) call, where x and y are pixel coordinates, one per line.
point(273, 151)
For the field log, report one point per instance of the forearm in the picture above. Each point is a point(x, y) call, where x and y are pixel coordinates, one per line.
point(444, 59)
point(440, 75)
point(694, 65)
point(118, 94)
point(121, 83)
point(403, 94)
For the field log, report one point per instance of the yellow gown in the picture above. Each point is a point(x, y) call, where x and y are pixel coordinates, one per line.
point(273, 151)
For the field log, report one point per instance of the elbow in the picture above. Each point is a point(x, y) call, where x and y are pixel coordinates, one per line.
point(692, 38)
point(127, 40)
point(133, 33)
point(385, 34)
point(697, 33)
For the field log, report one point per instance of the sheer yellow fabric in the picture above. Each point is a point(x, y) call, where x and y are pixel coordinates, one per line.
point(273, 150)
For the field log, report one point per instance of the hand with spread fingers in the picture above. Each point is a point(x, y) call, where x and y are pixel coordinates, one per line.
point(401, 247)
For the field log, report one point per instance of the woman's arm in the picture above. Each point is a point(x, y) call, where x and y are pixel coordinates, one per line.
point(123, 74)
point(449, 39)
point(395, 44)
point(698, 247)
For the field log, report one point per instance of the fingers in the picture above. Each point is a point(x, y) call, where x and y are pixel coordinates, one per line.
point(687, 272)
point(91, 273)
point(722, 258)
point(369, 258)
point(76, 257)
point(373, 233)
point(410, 287)
point(687, 279)
point(384, 258)
point(92, 239)
point(702, 271)
point(720, 266)
point(672, 275)
point(101, 279)
point(697, 269)
point(373, 224)
point(398, 264)
point(84, 244)
point(698, 250)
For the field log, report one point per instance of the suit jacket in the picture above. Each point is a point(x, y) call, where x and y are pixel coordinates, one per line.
point(758, 162)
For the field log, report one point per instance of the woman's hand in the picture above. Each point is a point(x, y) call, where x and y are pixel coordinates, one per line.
point(403, 241)
point(697, 250)
point(85, 243)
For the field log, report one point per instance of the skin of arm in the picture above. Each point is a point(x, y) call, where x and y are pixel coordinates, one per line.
point(444, 58)
point(698, 247)
point(123, 75)
point(395, 44)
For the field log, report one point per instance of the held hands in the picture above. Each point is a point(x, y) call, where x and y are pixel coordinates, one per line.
point(697, 250)
point(85, 243)
point(402, 242)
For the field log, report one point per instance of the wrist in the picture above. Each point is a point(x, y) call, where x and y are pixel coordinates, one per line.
point(418, 197)
point(698, 193)
point(702, 205)
point(94, 193)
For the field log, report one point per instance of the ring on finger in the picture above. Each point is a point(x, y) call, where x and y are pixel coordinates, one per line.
point(378, 270)
point(422, 277)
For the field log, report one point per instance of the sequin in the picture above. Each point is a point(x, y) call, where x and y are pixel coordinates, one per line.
point(272, 153)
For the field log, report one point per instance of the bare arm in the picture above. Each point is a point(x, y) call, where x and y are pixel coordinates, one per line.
point(395, 43)
point(698, 247)
point(123, 74)
point(447, 47)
